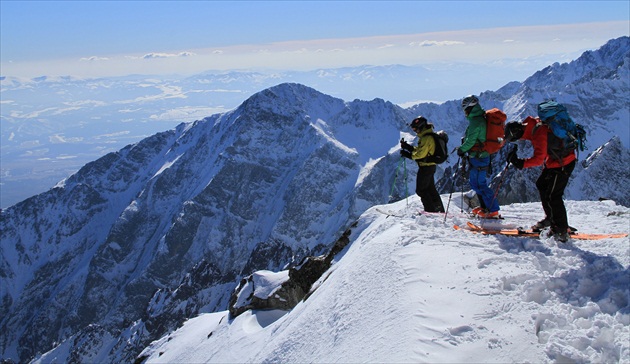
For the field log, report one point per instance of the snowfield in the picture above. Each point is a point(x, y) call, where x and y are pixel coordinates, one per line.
point(410, 288)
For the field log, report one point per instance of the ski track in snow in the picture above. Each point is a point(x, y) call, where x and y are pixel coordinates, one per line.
point(412, 289)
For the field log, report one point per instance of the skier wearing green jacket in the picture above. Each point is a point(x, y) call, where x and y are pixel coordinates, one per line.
point(478, 159)
point(425, 184)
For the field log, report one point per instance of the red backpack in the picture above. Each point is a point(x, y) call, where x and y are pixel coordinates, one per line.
point(495, 130)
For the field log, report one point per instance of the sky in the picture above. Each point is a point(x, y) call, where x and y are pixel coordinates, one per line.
point(110, 38)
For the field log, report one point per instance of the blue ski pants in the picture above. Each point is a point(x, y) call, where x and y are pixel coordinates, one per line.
point(478, 170)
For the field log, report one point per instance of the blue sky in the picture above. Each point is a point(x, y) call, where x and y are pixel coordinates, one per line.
point(117, 37)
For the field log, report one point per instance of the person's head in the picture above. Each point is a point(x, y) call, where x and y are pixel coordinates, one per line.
point(468, 103)
point(418, 123)
point(514, 131)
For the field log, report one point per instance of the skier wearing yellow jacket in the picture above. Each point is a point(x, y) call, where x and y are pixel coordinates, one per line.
point(425, 184)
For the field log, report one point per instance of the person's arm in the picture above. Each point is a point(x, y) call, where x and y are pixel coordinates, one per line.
point(426, 146)
point(539, 142)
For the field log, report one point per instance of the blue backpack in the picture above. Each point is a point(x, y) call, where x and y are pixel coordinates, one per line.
point(556, 117)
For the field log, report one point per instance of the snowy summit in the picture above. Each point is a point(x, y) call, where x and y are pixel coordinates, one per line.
point(136, 256)
point(411, 288)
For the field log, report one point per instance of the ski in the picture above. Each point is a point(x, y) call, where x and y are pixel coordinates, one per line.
point(388, 213)
point(487, 218)
point(529, 233)
point(491, 224)
point(441, 214)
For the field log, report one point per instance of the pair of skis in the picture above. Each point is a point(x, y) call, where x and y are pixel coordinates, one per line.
point(531, 234)
point(488, 228)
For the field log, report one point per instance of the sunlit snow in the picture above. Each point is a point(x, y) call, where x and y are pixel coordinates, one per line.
point(413, 289)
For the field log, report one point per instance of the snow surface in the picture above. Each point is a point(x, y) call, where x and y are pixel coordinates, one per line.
point(263, 284)
point(413, 289)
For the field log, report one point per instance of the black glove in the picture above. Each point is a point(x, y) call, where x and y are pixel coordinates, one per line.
point(405, 153)
point(460, 152)
point(406, 146)
point(515, 160)
point(511, 154)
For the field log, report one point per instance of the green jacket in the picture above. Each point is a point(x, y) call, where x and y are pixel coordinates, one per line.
point(475, 133)
point(426, 146)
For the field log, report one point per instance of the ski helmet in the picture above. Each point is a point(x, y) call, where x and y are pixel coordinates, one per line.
point(418, 123)
point(514, 131)
point(469, 101)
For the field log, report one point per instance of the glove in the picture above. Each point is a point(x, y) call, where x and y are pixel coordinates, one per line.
point(511, 154)
point(405, 153)
point(460, 152)
point(516, 161)
point(406, 146)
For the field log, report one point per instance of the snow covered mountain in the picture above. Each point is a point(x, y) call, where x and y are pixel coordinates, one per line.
point(411, 289)
point(51, 126)
point(123, 251)
point(283, 173)
point(596, 90)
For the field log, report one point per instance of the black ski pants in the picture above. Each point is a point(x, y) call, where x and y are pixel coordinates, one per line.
point(425, 188)
point(551, 185)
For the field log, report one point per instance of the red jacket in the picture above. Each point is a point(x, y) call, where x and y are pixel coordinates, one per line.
point(538, 134)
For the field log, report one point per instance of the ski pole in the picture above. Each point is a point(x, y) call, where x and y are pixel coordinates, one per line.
point(461, 177)
point(406, 184)
point(452, 188)
point(503, 174)
point(391, 192)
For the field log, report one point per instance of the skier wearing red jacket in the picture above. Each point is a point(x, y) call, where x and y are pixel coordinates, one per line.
point(558, 164)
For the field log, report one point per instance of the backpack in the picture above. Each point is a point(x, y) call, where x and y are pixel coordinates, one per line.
point(495, 130)
point(556, 117)
point(441, 150)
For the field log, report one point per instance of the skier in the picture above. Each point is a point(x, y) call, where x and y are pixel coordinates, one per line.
point(558, 164)
point(478, 158)
point(425, 184)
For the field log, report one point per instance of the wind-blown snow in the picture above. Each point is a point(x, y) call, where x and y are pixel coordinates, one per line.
point(263, 285)
point(413, 289)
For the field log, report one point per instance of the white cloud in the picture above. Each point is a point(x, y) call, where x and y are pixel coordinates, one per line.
point(167, 55)
point(472, 46)
point(430, 43)
point(157, 55)
point(79, 103)
point(59, 138)
point(111, 135)
point(93, 59)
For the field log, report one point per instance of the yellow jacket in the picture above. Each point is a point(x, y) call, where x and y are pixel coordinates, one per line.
point(426, 146)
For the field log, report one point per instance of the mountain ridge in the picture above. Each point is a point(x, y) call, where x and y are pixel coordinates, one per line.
point(100, 257)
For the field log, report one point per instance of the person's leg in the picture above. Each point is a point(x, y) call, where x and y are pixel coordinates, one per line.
point(425, 188)
point(560, 180)
point(437, 199)
point(543, 184)
point(473, 173)
point(424, 180)
point(431, 194)
point(479, 167)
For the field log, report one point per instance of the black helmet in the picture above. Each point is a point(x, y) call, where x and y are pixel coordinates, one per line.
point(469, 101)
point(418, 123)
point(514, 131)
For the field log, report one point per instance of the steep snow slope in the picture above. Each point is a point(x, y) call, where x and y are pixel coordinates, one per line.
point(413, 289)
point(283, 173)
point(141, 239)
